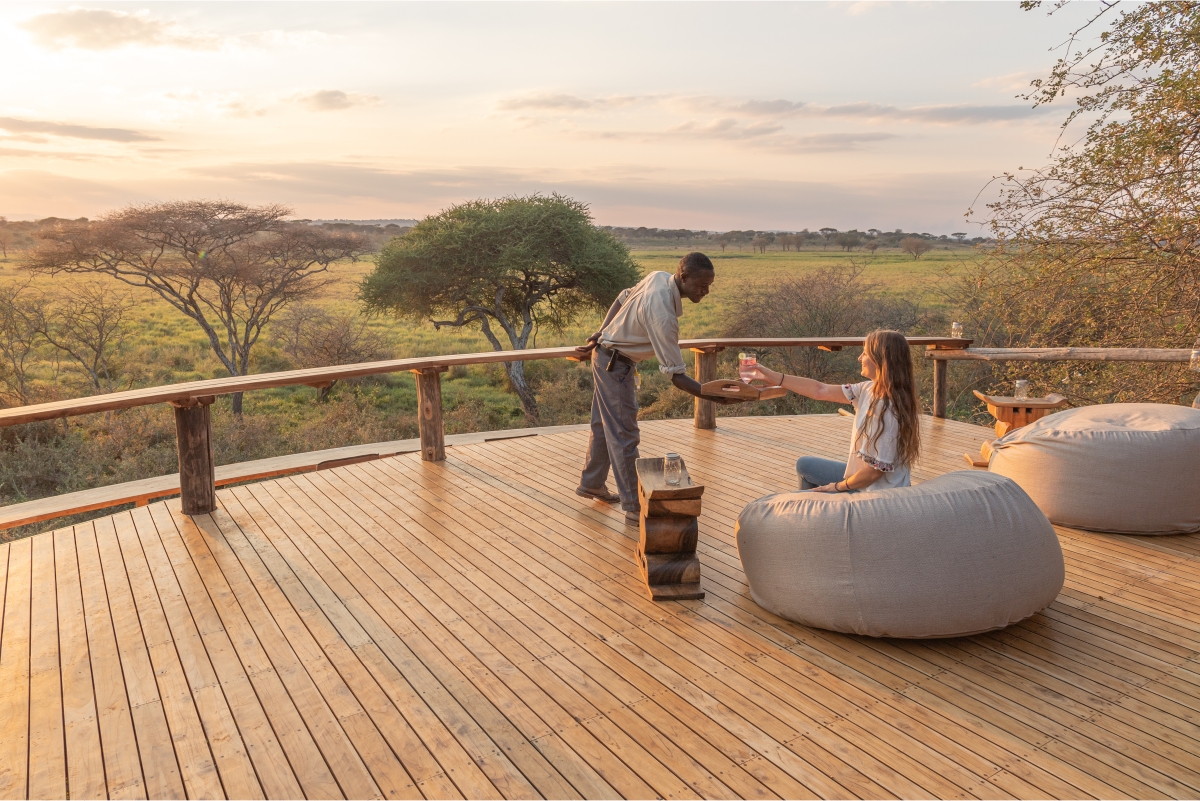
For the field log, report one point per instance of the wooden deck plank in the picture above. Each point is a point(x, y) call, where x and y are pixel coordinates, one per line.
point(265, 745)
point(552, 717)
point(513, 568)
point(197, 768)
point(534, 560)
point(353, 779)
point(14, 672)
point(472, 628)
point(47, 748)
point(492, 757)
point(436, 765)
point(348, 590)
point(287, 722)
point(123, 769)
point(297, 615)
point(702, 773)
point(458, 689)
point(791, 734)
point(81, 729)
point(160, 766)
point(229, 750)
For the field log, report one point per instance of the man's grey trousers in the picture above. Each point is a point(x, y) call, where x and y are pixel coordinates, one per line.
point(615, 435)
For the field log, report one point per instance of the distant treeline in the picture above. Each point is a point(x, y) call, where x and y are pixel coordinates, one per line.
point(19, 235)
point(761, 241)
point(22, 235)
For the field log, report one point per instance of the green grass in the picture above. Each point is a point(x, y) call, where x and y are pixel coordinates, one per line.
point(167, 347)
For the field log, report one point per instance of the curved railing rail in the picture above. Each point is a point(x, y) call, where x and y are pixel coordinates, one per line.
point(197, 477)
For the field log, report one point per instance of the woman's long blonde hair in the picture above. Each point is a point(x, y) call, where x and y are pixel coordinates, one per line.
point(894, 389)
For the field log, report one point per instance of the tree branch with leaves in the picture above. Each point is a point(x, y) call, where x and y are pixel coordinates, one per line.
point(228, 267)
point(513, 264)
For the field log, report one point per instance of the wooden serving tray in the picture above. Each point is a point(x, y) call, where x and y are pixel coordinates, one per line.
point(730, 388)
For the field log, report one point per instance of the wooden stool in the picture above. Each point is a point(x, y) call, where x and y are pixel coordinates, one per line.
point(666, 552)
point(1010, 414)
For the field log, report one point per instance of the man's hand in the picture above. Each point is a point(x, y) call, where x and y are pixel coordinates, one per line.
point(592, 342)
point(692, 387)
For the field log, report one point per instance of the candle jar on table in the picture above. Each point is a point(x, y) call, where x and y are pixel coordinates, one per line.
point(956, 330)
point(672, 469)
point(1022, 389)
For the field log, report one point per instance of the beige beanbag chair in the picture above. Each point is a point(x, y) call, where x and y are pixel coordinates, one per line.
point(1131, 468)
point(962, 553)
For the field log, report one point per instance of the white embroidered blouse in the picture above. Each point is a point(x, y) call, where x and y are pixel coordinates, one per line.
point(882, 454)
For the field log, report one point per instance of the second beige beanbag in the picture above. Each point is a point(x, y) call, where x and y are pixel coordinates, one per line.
point(959, 554)
point(1131, 468)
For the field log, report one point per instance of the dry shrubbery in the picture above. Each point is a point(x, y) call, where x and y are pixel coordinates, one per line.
point(1101, 247)
point(835, 301)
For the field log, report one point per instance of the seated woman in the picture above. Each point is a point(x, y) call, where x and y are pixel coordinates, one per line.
point(887, 435)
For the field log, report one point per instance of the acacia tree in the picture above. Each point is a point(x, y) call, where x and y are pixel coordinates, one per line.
point(314, 337)
point(915, 246)
point(513, 264)
point(226, 266)
point(20, 308)
point(1102, 246)
point(89, 324)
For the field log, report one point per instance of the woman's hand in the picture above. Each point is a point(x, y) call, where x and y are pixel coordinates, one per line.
point(762, 373)
point(828, 487)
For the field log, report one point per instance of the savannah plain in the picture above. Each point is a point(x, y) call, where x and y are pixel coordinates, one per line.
point(160, 346)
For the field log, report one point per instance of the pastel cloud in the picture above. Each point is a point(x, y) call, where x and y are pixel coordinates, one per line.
point(333, 100)
point(18, 126)
point(104, 29)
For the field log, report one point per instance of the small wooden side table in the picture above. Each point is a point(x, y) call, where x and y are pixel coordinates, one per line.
point(666, 551)
point(1010, 414)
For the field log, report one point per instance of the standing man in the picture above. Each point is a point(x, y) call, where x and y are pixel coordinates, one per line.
point(643, 322)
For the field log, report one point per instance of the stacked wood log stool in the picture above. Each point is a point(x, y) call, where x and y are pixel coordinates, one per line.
point(666, 551)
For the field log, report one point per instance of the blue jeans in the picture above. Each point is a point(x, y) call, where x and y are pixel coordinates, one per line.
point(817, 472)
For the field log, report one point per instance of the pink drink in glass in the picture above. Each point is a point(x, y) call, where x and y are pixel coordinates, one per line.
point(746, 364)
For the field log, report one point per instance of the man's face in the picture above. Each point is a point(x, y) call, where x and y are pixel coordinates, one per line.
point(694, 285)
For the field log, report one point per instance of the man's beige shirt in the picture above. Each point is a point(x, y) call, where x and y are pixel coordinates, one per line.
point(647, 323)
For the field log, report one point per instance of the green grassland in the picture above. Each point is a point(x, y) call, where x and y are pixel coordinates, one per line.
point(163, 347)
point(166, 347)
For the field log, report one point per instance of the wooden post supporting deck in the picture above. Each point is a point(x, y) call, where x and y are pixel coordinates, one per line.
point(429, 414)
point(939, 389)
point(197, 471)
point(705, 415)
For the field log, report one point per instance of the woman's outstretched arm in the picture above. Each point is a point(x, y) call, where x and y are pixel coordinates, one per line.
point(802, 386)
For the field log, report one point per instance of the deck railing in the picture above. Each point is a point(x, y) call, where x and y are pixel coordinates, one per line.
point(191, 401)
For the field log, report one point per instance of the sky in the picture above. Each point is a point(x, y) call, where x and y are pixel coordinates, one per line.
point(703, 115)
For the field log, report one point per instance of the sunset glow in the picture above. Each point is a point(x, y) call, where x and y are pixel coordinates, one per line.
point(704, 115)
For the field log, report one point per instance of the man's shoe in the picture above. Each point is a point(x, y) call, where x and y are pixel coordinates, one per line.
point(601, 494)
point(633, 519)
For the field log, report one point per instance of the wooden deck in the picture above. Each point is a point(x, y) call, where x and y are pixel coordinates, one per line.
point(474, 629)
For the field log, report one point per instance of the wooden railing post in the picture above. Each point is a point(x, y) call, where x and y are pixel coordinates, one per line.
point(197, 472)
point(939, 388)
point(429, 414)
point(705, 414)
